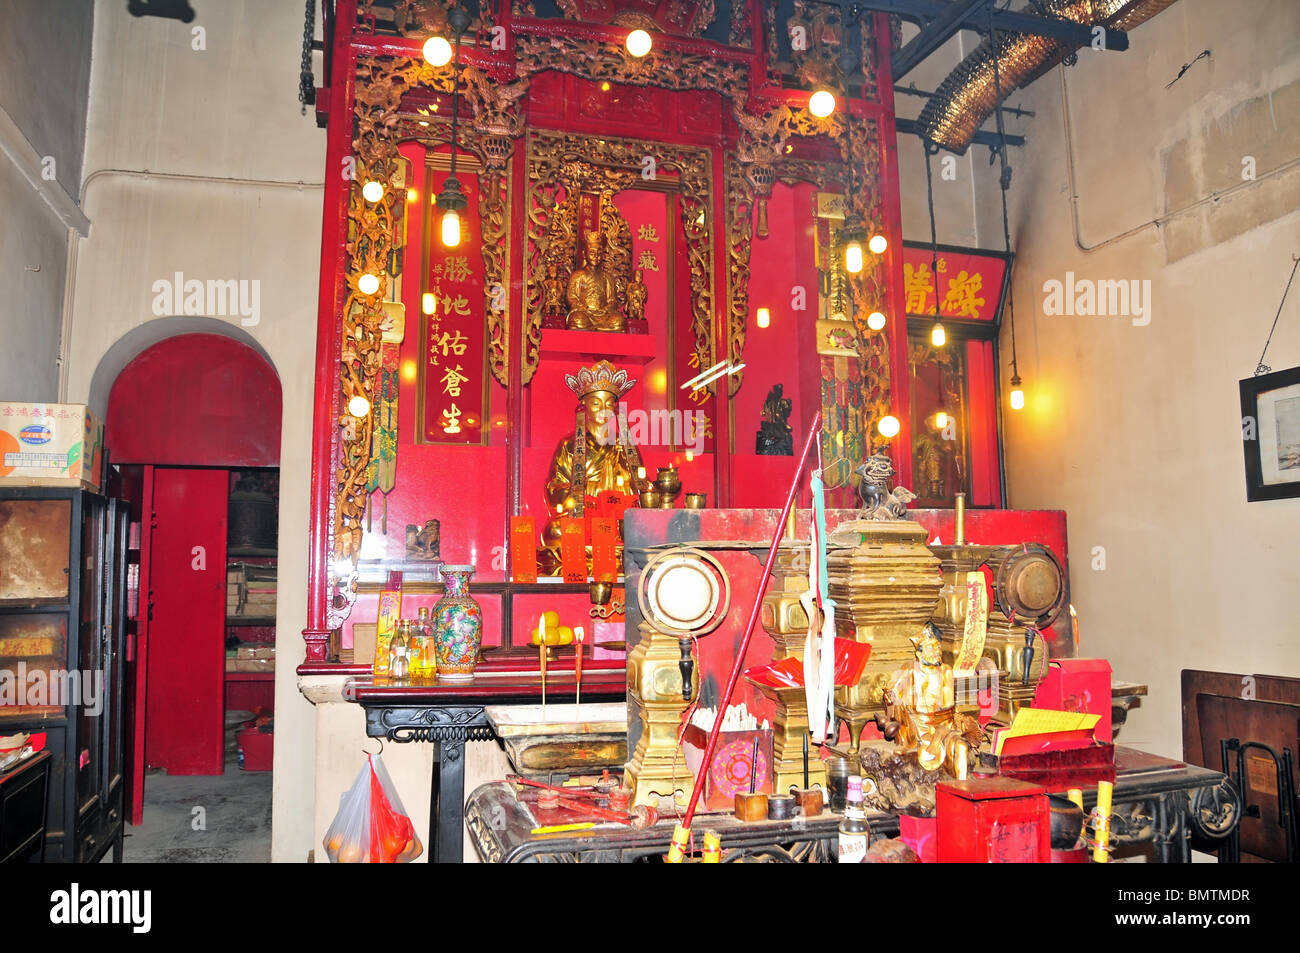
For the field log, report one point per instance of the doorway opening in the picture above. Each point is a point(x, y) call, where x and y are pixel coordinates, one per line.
point(193, 427)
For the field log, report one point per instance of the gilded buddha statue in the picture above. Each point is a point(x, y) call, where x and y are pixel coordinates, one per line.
point(594, 459)
point(592, 292)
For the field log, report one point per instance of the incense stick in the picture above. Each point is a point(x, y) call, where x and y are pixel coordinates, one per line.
point(577, 669)
point(541, 652)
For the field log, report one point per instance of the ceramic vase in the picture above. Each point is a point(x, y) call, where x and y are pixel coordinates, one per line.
point(457, 626)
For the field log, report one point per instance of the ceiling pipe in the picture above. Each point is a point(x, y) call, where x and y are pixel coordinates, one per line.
point(967, 96)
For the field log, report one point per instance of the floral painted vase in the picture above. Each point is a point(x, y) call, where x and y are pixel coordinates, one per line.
point(457, 625)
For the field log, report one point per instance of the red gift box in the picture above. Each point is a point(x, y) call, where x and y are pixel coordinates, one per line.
point(992, 821)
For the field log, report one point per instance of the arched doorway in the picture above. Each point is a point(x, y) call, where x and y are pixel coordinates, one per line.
point(189, 417)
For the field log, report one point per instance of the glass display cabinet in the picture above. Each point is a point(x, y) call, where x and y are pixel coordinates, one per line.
point(62, 651)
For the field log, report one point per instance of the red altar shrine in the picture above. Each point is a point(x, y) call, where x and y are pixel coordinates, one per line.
point(730, 201)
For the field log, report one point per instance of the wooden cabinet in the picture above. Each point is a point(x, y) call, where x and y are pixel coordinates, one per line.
point(62, 652)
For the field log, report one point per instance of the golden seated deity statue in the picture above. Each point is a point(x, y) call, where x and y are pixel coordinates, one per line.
point(596, 458)
point(592, 292)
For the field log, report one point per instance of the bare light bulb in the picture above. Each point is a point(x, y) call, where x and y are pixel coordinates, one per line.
point(358, 406)
point(428, 302)
point(1017, 399)
point(412, 195)
point(853, 257)
point(888, 426)
point(437, 51)
point(938, 336)
point(878, 244)
point(639, 43)
point(821, 103)
point(372, 191)
point(876, 321)
point(451, 228)
point(764, 317)
point(368, 284)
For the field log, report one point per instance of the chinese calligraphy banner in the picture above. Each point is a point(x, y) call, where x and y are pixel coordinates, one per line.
point(454, 368)
point(969, 284)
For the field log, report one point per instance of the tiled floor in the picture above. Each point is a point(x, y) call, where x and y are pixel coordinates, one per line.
point(208, 820)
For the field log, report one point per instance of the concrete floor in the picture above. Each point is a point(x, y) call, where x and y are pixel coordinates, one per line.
point(206, 820)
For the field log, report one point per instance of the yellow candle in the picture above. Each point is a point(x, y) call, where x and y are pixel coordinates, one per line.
point(1105, 791)
point(1076, 797)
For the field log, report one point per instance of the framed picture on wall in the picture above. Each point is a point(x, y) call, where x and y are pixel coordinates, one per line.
point(1270, 434)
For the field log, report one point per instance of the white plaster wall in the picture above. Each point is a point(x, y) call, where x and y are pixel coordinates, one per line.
point(1136, 431)
point(229, 111)
point(44, 69)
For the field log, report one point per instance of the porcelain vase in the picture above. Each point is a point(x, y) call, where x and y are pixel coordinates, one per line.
point(457, 626)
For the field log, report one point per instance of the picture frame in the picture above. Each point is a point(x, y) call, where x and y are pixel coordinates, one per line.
point(1270, 435)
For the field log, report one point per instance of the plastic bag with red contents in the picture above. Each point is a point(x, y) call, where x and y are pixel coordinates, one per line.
point(371, 826)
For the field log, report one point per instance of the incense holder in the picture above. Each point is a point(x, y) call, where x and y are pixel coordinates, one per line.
point(457, 626)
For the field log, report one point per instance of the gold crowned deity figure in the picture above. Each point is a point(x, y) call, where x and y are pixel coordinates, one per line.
point(597, 457)
point(922, 700)
point(593, 292)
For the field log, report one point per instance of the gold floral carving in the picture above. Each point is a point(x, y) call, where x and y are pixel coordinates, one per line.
point(382, 82)
point(573, 163)
point(599, 61)
point(742, 23)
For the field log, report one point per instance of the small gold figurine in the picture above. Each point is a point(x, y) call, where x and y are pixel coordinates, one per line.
point(593, 292)
point(921, 700)
point(553, 300)
point(636, 296)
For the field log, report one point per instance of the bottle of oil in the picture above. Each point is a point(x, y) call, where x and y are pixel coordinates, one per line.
point(399, 668)
point(415, 650)
point(423, 630)
point(854, 830)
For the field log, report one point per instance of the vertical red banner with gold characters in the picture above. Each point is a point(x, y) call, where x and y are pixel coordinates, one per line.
point(455, 373)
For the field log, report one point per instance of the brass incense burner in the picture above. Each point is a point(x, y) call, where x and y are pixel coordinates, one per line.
point(1028, 594)
point(683, 594)
point(785, 620)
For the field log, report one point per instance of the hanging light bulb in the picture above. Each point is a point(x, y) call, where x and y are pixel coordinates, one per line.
point(938, 336)
point(639, 43)
point(940, 420)
point(1017, 395)
point(368, 284)
point(358, 406)
point(372, 191)
point(878, 244)
point(853, 257)
point(876, 321)
point(888, 426)
point(764, 318)
point(437, 51)
point(428, 302)
point(451, 228)
point(821, 103)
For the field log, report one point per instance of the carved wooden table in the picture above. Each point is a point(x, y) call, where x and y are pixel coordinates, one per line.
point(500, 828)
point(449, 714)
point(1156, 800)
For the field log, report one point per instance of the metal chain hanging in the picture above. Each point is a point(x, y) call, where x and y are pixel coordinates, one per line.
point(306, 81)
point(930, 148)
point(1005, 182)
point(1261, 367)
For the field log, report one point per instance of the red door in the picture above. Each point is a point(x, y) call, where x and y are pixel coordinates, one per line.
point(186, 636)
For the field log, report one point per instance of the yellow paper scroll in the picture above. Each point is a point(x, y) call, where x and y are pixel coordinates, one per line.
point(1043, 721)
point(977, 625)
